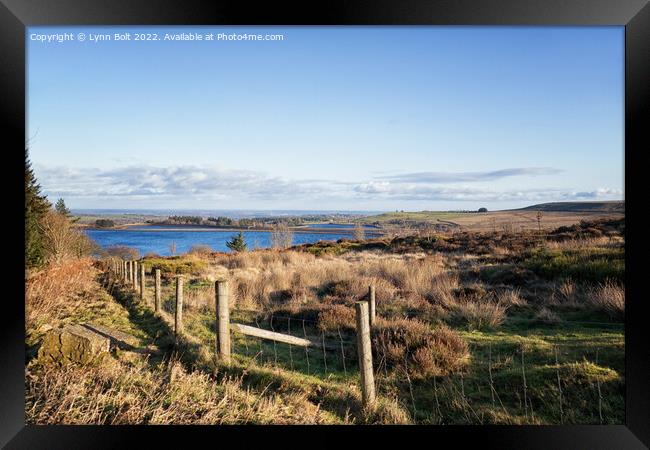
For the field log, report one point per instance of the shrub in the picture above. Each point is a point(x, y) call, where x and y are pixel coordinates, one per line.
point(124, 252)
point(61, 240)
point(200, 250)
point(412, 345)
point(337, 317)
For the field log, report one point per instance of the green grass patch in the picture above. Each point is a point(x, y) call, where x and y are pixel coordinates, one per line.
point(589, 264)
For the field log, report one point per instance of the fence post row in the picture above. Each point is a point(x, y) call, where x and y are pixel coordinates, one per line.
point(157, 304)
point(364, 351)
point(371, 296)
point(178, 318)
point(223, 320)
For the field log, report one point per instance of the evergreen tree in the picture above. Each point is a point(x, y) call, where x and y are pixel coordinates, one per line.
point(237, 243)
point(36, 206)
point(64, 211)
point(61, 208)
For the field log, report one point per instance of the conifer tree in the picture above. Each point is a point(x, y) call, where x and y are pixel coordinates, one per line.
point(61, 208)
point(237, 243)
point(36, 206)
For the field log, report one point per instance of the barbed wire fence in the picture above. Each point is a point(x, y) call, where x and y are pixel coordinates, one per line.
point(333, 353)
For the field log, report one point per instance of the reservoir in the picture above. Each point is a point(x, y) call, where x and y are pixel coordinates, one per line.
point(147, 239)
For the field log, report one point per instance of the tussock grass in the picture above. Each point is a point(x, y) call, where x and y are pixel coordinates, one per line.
point(610, 298)
point(479, 315)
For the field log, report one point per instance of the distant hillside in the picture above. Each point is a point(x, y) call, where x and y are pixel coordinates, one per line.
point(617, 206)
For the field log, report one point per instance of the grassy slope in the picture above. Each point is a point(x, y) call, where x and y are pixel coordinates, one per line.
point(604, 207)
point(135, 389)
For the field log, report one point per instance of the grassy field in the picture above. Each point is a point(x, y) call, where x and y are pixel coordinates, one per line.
point(503, 221)
point(474, 328)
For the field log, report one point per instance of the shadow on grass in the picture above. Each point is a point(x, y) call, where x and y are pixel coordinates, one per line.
point(157, 326)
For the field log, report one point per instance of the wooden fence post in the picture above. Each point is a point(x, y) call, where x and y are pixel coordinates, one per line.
point(371, 297)
point(178, 318)
point(128, 271)
point(364, 350)
point(124, 271)
point(223, 320)
point(135, 275)
point(157, 299)
point(142, 281)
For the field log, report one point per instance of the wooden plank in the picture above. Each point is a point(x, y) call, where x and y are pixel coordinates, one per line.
point(272, 335)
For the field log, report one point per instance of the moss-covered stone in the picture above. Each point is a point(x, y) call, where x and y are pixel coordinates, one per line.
point(75, 344)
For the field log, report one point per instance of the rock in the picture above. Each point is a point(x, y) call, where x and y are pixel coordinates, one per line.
point(74, 343)
point(119, 339)
point(44, 328)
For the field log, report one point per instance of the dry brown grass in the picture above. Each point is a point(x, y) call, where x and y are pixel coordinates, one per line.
point(120, 393)
point(511, 297)
point(565, 293)
point(57, 287)
point(610, 298)
point(547, 316)
point(479, 314)
point(270, 279)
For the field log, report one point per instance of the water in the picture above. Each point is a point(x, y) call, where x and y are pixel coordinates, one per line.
point(159, 241)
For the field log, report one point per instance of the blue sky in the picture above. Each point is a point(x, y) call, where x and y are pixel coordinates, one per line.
point(360, 118)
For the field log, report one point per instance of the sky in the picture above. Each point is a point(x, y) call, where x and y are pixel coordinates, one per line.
point(327, 118)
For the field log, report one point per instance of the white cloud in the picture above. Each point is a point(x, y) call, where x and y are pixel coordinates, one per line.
point(185, 183)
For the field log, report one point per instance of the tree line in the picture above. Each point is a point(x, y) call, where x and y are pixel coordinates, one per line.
point(49, 232)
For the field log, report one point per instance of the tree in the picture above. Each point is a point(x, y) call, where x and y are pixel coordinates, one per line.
point(359, 232)
point(237, 243)
point(281, 236)
point(36, 207)
point(61, 208)
point(104, 223)
point(482, 210)
point(64, 211)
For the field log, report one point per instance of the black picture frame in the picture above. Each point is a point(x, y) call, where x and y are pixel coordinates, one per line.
point(634, 15)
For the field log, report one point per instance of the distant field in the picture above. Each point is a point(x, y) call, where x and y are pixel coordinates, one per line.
point(526, 220)
point(599, 207)
point(553, 215)
point(414, 216)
